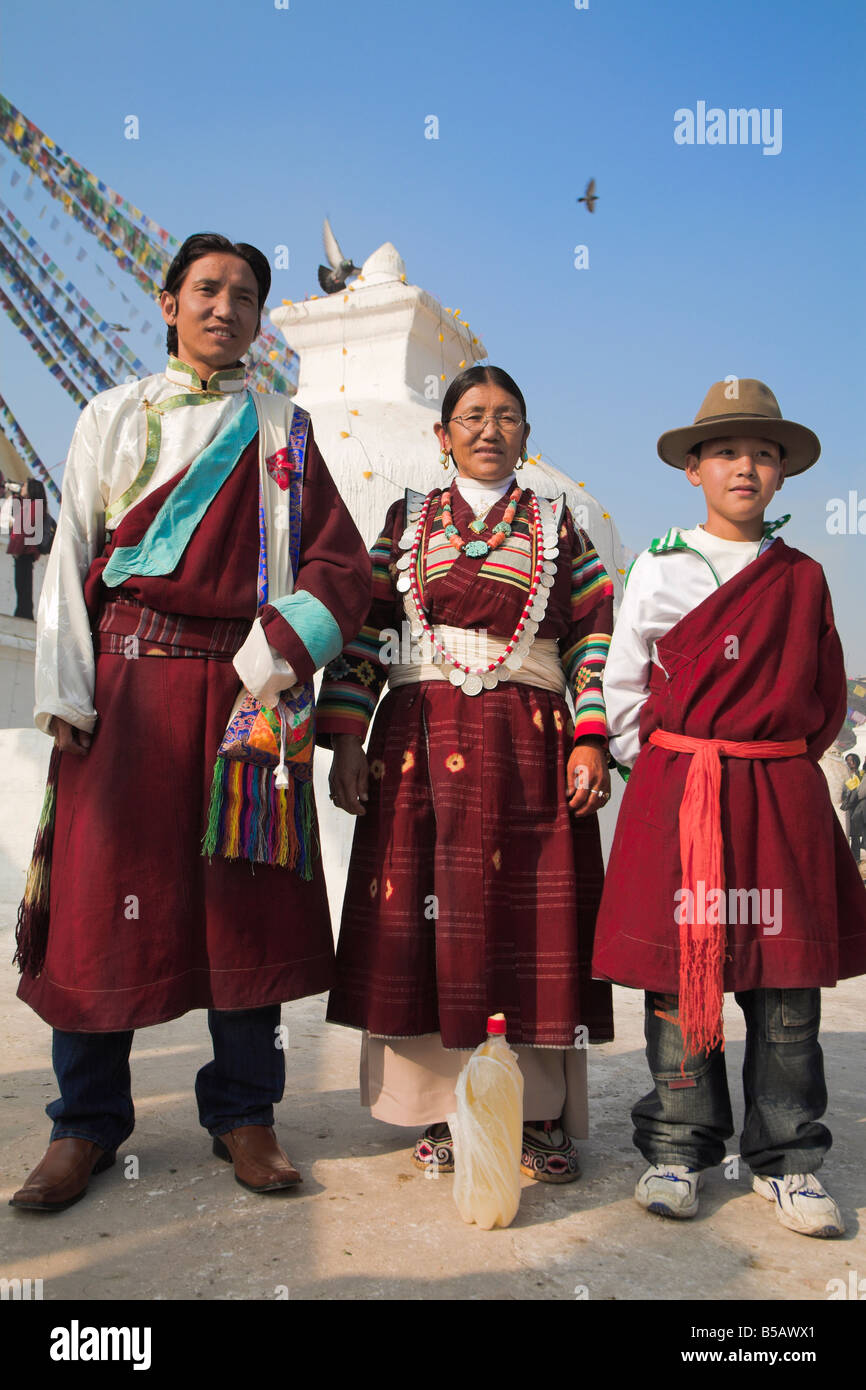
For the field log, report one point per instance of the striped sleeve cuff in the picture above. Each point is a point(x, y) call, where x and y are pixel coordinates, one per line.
point(342, 711)
point(584, 670)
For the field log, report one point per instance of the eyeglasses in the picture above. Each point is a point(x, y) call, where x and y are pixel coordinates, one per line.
point(506, 420)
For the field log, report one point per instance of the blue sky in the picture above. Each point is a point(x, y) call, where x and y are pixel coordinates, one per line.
point(703, 260)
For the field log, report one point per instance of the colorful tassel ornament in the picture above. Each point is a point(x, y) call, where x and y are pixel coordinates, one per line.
point(31, 931)
point(249, 817)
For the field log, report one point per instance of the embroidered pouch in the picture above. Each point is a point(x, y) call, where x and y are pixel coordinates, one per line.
point(254, 732)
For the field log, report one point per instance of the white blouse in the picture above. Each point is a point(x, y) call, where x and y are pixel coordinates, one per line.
point(481, 496)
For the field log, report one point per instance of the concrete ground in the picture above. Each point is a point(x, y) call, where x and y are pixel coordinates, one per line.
point(366, 1224)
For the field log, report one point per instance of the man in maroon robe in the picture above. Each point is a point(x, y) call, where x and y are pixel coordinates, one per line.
point(151, 615)
point(729, 869)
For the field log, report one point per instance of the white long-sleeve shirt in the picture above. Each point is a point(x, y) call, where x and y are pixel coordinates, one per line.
point(661, 589)
point(106, 455)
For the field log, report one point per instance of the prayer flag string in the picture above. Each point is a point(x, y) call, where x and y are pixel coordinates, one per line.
point(41, 351)
point(18, 439)
point(22, 243)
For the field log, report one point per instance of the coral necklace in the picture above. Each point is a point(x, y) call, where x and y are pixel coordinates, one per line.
point(473, 679)
point(501, 531)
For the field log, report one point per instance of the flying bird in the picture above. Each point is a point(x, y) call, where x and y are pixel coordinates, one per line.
point(589, 196)
point(334, 279)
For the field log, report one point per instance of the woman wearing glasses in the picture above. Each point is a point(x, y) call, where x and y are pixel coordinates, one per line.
point(476, 867)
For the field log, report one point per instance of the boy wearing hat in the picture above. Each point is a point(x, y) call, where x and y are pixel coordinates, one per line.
point(729, 869)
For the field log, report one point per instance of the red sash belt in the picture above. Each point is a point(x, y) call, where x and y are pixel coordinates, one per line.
point(165, 634)
point(702, 944)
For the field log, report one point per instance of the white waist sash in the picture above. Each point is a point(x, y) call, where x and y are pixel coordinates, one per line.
point(541, 664)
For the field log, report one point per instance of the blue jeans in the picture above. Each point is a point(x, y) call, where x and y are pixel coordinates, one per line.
point(240, 1086)
point(686, 1118)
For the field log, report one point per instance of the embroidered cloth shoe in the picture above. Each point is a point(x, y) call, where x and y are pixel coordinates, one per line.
point(801, 1204)
point(434, 1151)
point(670, 1189)
point(549, 1154)
point(259, 1162)
point(62, 1175)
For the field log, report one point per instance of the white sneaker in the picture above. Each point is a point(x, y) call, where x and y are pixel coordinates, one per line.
point(801, 1203)
point(670, 1189)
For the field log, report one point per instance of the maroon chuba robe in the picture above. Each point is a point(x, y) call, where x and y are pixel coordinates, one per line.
point(472, 888)
point(804, 925)
point(143, 927)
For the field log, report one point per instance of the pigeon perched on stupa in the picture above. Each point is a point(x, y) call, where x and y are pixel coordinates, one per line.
point(589, 196)
point(334, 279)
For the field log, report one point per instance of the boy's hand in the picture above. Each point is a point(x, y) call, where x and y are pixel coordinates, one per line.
point(588, 779)
point(67, 738)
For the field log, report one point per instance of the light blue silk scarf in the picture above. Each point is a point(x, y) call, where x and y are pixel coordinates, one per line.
point(160, 549)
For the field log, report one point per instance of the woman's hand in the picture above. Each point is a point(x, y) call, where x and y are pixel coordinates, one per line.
point(349, 774)
point(67, 738)
point(588, 778)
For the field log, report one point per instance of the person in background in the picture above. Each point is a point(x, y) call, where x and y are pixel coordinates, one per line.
point(849, 803)
point(858, 820)
point(29, 520)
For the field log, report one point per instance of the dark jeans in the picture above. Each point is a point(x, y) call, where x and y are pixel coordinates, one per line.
point(240, 1086)
point(686, 1118)
point(23, 586)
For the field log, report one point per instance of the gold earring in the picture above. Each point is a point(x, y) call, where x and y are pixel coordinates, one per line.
point(444, 459)
point(523, 457)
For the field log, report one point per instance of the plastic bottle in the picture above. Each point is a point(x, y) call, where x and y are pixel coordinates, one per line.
point(488, 1132)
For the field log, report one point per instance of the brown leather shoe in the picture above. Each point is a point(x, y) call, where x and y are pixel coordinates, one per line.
point(260, 1163)
point(62, 1176)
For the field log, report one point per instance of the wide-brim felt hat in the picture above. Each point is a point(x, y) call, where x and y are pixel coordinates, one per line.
point(742, 407)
